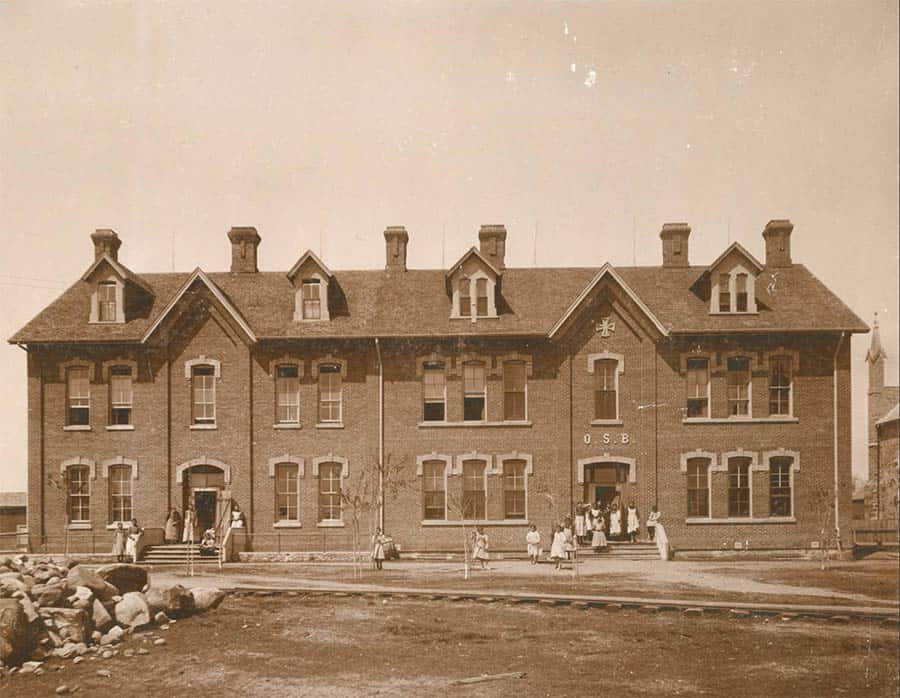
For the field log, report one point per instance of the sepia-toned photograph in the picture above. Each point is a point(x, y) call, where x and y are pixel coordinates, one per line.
point(428, 347)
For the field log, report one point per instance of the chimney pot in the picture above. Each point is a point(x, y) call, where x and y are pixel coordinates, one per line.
point(395, 241)
point(674, 238)
point(777, 235)
point(244, 244)
point(106, 242)
point(492, 244)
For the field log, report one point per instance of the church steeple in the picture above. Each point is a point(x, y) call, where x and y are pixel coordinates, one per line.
point(875, 358)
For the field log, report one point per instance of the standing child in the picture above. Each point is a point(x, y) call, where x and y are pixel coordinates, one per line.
point(480, 549)
point(598, 540)
point(558, 549)
point(131, 543)
point(187, 534)
point(119, 542)
point(651, 522)
point(634, 524)
point(579, 523)
point(378, 541)
point(533, 539)
point(615, 522)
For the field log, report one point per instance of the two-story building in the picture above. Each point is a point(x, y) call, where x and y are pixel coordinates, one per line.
point(720, 393)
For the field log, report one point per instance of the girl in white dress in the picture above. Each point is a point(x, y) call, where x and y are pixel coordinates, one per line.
point(615, 522)
point(558, 549)
point(579, 523)
point(634, 524)
point(480, 548)
point(533, 539)
point(599, 538)
point(651, 522)
point(187, 532)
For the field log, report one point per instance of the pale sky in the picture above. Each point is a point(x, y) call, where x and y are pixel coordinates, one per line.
point(589, 124)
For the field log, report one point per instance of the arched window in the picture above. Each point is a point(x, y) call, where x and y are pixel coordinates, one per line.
point(434, 384)
point(78, 396)
point(780, 380)
point(121, 397)
point(606, 399)
point(697, 487)
point(330, 394)
point(287, 492)
point(287, 394)
point(481, 297)
point(698, 387)
point(473, 502)
point(330, 492)
point(120, 493)
point(514, 484)
point(474, 391)
point(739, 386)
point(738, 487)
point(514, 391)
point(434, 490)
point(780, 485)
point(203, 390)
point(106, 301)
point(78, 488)
point(465, 298)
point(312, 299)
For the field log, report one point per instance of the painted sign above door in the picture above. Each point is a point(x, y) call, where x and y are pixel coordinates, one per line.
point(607, 438)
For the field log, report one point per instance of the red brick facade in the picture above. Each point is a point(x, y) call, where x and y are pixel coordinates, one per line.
point(565, 452)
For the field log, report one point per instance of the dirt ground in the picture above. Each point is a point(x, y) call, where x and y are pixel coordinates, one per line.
point(349, 646)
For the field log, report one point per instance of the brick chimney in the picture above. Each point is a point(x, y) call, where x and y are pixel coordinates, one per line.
point(778, 243)
point(395, 241)
point(106, 242)
point(492, 244)
point(244, 242)
point(674, 238)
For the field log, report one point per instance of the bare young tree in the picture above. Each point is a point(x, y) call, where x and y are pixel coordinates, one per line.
point(822, 502)
point(465, 507)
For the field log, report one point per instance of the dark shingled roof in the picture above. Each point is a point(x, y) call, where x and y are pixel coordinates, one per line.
point(415, 303)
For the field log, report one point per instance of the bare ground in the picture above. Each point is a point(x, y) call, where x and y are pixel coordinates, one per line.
point(326, 646)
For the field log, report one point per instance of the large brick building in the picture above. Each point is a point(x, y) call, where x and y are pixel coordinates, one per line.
point(720, 392)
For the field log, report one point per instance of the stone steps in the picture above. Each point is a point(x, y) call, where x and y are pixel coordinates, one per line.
point(177, 554)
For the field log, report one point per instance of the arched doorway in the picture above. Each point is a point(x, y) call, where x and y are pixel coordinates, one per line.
point(203, 487)
point(607, 482)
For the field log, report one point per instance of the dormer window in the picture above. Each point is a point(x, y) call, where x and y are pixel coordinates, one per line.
point(312, 299)
point(740, 292)
point(465, 298)
point(732, 278)
point(481, 297)
point(473, 282)
point(106, 300)
point(724, 293)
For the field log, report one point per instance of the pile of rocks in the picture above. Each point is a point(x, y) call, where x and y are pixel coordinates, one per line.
point(49, 610)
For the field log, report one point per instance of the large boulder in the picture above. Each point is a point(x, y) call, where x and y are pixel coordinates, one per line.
point(80, 576)
point(49, 594)
point(10, 583)
point(207, 597)
point(15, 640)
point(31, 612)
point(133, 610)
point(82, 598)
point(175, 601)
point(100, 616)
point(124, 577)
point(71, 624)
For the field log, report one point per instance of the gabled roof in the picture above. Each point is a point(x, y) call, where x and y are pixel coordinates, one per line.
point(309, 254)
point(892, 416)
point(124, 272)
point(199, 275)
point(473, 251)
point(607, 271)
point(740, 249)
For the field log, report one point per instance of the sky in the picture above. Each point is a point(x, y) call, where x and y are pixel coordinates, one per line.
point(582, 126)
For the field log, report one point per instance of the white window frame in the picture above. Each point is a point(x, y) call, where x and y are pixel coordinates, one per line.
point(525, 374)
point(310, 283)
point(470, 282)
point(794, 457)
point(65, 470)
point(430, 368)
point(689, 397)
point(298, 469)
point(119, 315)
point(592, 360)
point(331, 370)
point(527, 459)
point(790, 387)
point(716, 287)
point(420, 471)
point(110, 470)
point(711, 467)
point(295, 403)
point(484, 378)
point(344, 469)
point(113, 404)
point(750, 364)
point(68, 372)
point(486, 463)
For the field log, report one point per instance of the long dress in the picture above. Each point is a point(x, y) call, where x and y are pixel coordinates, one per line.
point(558, 549)
point(187, 534)
point(172, 533)
point(481, 545)
point(533, 538)
point(134, 535)
point(633, 524)
point(615, 523)
point(119, 542)
point(598, 540)
point(378, 546)
point(662, 541)
point(579, 526)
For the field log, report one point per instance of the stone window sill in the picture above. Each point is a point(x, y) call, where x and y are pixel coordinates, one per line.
point(330, 524)
point(464, 425)
point(77, 427)
point(120, 427)
point(112, 526)
point(80, 526)
point(742, 520)
point(288, 425)
point(201, 427)
point(330, 425)
point(472, 524)
point(287, 524)
point(607, 422)
point(741, 420)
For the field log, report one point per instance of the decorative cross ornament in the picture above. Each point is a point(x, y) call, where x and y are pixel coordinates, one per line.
point(605, 327)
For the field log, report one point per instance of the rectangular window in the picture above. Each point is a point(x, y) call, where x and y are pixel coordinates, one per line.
point(780, 385)
point(78, 387)
point(312, 299)
point(698, 487)
point(481, 297)
point(473, 489)
point(330, 398)
point(474, 392)
point(514, 388)
point(739, 487)
point(740, 292)
point(287, 492)
point(120, 493)
point(698, 387)
point(435, 392)
point(287, 394)
point(120, 398)
point(465, 298)
point(330, 492)
point(79, 491)
point(605, 398)
point(106, 301)
point(738, 386)
point(724, 293)
point(780, 487)
point(514, 489)
point(203, 383)
point(434, 487)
